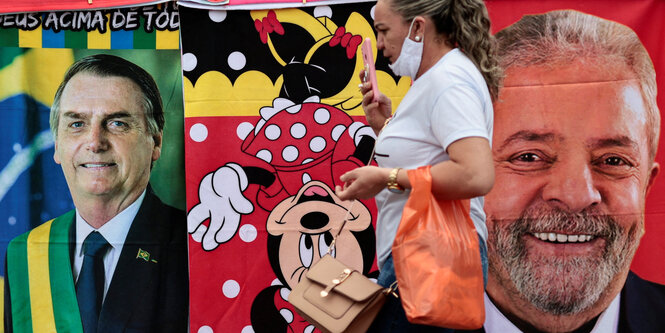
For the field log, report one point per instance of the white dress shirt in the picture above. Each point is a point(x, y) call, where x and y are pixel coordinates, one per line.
point(114, 231)
point(496, 322)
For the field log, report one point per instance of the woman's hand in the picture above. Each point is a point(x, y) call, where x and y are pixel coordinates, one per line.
point(469, 173)
point(362, 183)
point(375, 112)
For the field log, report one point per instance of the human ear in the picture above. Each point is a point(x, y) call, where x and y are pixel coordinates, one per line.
point(55, 154)
point(157, 149)
point(655, 169)
point(418, 30)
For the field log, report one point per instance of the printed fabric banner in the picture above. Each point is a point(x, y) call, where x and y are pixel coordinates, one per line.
point(23, 6)
point(643, 17)
point(260, 4)
point(273, 119)
point(151, 27)
point(35, 52)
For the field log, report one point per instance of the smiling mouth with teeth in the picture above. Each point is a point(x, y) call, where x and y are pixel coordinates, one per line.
point(97, 165)
point(561, 238)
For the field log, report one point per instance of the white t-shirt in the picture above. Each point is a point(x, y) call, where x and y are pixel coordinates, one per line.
point(447, 103)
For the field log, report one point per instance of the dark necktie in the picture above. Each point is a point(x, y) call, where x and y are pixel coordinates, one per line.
point(90, 284)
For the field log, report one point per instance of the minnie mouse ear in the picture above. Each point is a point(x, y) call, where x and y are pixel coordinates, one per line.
point(326, 73)
point(319, 54)
point(302, 81)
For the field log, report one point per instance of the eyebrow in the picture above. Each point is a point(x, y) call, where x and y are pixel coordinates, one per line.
point(82, 115)
point(72, 114)
point(527, 136)
point(530, 136)
point(578, 81)
point(619, 141)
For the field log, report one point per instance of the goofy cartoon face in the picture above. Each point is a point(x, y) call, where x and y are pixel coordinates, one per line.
point(302, 227)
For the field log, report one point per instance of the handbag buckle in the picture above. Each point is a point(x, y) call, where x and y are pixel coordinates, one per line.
point(336, 281)
point(392, 290)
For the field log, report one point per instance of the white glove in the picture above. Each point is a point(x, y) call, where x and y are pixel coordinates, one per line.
point(357, 130)
point(221, 201)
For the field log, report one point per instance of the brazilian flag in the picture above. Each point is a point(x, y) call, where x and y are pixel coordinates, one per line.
point(32, 186)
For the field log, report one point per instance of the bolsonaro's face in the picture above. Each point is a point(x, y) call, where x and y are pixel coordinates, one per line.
point(103, 143)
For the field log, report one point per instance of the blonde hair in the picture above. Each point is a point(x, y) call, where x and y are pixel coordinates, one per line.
point(560, 37)
point(466, 25)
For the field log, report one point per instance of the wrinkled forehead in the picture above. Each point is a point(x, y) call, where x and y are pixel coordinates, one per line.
point(601, 86)
point(90, 80)
point(571, 99)
point(87, 91)
point(584, 70)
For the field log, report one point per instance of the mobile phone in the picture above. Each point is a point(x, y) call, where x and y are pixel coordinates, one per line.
point(370, 70)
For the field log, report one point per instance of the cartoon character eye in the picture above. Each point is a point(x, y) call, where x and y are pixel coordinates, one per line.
point(306, 250)
point(324, 244)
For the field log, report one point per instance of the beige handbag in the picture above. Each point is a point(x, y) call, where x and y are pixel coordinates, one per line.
point(335, 298)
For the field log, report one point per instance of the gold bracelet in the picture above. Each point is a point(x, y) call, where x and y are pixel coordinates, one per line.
point(392, 185)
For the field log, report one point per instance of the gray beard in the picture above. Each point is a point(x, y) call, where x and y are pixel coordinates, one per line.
point(556, 285)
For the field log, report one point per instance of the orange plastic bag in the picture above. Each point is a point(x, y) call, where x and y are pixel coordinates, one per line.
point(437, 259)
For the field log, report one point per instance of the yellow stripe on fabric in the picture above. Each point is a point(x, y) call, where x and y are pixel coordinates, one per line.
point(167, 40)
point(41, 303)
point(37, 72)
point(63, 292)
point(214, 95)
point(30, 38)
point(98, 40)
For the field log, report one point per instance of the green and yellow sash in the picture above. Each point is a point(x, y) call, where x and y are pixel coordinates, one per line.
point(43, 298)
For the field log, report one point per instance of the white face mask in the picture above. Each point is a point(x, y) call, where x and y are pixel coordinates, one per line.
point(409, 58)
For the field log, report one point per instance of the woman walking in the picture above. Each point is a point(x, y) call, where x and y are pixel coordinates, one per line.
point(445, 120)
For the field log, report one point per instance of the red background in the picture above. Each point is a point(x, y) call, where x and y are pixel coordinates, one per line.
point(244, 262)
point(247, 262)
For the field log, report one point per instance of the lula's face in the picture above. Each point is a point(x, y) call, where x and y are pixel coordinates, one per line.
point(103, 144)
point(572, 170)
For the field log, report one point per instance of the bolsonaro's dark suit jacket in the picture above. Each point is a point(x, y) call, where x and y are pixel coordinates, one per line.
point(149, 288)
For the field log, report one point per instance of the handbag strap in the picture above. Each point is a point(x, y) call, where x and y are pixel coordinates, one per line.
point(392, 290)
point(348, 211)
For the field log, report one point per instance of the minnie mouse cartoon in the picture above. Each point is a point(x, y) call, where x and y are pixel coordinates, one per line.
point(306, 145)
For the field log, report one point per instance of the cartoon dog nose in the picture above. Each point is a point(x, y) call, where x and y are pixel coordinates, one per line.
point(314, 220)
